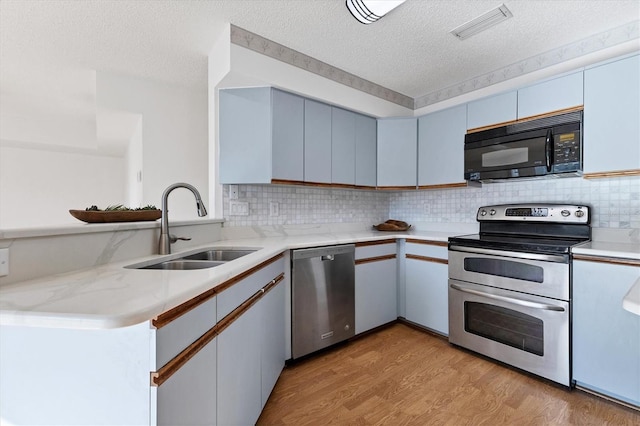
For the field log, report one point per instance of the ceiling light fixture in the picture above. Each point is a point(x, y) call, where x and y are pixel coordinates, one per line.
point(368, 11)
point(482, 22)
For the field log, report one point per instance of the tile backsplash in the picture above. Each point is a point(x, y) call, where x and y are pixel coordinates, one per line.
point(615, 202)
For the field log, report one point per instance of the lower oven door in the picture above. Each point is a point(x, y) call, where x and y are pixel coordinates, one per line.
point(525, 331)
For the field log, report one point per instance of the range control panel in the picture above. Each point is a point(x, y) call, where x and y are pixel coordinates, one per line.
point(565, 213)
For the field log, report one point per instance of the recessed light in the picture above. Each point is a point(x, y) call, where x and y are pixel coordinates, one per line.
point(369, 11)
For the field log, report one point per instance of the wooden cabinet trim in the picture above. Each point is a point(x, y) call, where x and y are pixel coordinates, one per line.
point(375, 243)
point(166, 317)
point(163, 374)
point(375, 259)
point(522, 120)
point(612, 174)
point(428, 242)
point(225, 285)
point(608, 260)
point(427, 259)
point(396, 188)
point(444, 186)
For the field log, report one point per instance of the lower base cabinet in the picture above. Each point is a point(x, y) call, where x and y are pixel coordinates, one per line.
point(426, 285)
point(375, 285)
point(606, 337)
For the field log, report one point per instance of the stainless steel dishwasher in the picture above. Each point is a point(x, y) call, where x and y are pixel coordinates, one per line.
point(323, 297)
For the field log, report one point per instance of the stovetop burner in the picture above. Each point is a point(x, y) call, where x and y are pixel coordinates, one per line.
point(530, 228)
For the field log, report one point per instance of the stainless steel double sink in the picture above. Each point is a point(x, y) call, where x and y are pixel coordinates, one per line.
point(208, 258)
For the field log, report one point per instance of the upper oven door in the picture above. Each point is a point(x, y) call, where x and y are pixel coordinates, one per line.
point(539, 274)
point(519, 155)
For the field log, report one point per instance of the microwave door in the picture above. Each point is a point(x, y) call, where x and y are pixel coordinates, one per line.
point(519, 158)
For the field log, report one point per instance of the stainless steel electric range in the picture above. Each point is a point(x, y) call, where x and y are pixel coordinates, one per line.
point(510, 286)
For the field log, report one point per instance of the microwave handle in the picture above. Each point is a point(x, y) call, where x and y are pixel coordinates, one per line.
point(548, 149)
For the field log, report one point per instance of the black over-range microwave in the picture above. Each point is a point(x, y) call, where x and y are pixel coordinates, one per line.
point(535, 148)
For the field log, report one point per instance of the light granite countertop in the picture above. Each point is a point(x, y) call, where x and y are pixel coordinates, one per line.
point(111, 296)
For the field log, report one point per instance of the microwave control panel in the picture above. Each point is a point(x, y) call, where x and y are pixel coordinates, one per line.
point(566, 152)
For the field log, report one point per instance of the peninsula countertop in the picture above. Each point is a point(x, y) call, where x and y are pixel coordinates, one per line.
point(111, 296)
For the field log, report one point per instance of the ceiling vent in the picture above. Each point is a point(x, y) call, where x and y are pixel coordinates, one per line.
point(482, 22)
point(369, 11)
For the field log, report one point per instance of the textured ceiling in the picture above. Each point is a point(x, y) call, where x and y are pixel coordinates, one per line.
point(409, 51)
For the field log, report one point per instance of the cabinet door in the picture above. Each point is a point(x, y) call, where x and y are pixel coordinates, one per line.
point(239, 388)
point(611, 111)
point(317, 142)
point(343, 146)
point(606, 337)
point(441, 146)
point(376, 294)
point(272, 334)
point(188, 397)
point(366, 129)
point(492, 110)
point(426, 285)
point(288, 136)
point(397, 152)
point(245, 135)
point(552, 95)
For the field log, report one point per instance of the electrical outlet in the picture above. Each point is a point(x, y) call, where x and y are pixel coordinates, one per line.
point(274, 209)
point(233, 192)
point(238, 208)
point(4, 262)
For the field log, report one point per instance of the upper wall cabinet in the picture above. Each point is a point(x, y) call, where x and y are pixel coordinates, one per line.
point(343, 146)
point(261, 136)
point(397, 152)
point(492, 110)
point(317, 142)
point(611, 124)
point(551, 95)
point(441, 147)
point(366, 146)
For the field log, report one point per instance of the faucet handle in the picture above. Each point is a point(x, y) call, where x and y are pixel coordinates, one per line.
point(173, 238)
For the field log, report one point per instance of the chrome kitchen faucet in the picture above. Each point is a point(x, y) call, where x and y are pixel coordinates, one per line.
point(166, 239)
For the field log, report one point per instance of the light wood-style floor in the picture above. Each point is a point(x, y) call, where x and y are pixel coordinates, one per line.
point(402, 376)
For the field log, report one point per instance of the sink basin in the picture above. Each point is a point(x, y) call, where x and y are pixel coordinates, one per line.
point(182, 265)
point(218, 255)
point(208, 258)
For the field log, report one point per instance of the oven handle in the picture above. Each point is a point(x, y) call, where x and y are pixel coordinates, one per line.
point(531, 256)
point(508, 299)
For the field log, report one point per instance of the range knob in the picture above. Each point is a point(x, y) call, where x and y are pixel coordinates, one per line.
point(492, 212)
point(565, 213)
point(483, 212)
point(579, 213)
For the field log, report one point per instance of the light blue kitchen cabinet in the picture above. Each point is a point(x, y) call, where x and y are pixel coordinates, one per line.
point(343, 146)
point(606, 337)
point(492, 110)
point(366, 141)
point(441, 147)
point(239, 394)
point(189, 396)
point(397, 152)
point(551, 95)
point(611, 110)
point(375, 285)
point(426, 285)
point(261, 136)
point(273, 342)
point(317, 142)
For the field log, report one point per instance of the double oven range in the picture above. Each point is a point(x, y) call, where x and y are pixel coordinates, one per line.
point(510, 286)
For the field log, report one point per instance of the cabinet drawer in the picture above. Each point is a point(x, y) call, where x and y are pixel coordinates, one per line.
point(435, 249)
point(369, 250)
point(173, 337)
point(231, 297)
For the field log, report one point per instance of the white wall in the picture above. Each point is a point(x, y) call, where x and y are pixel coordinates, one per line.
point(174, 136)
point(39, 186)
